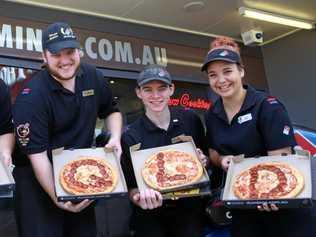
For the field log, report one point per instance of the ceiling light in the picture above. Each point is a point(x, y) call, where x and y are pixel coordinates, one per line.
point(271, 17)
point(112, 82)
point(194, 6)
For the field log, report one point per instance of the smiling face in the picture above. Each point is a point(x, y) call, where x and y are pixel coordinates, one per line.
point(63, 65)
point(225, 78)
point(155, 95)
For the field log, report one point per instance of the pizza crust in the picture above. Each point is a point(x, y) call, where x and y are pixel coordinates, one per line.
point(242, 181)
point(176, 163)
point(83, 174)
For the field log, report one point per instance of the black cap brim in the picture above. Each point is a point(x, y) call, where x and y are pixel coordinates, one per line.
point(206, 63)
point(58, 46)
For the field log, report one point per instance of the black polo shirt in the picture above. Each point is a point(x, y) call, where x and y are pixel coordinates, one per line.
point(144, 131)
point(6, 125)
point(48, 116)
point(261, 125)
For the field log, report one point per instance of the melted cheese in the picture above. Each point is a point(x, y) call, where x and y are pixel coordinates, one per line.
point(85, 171)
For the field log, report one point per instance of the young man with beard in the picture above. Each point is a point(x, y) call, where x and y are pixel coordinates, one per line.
point(58, 108)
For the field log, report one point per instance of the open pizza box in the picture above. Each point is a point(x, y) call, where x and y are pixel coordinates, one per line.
point(61, 157)
point(301, 161)
point(183, 143)
point(7, 183)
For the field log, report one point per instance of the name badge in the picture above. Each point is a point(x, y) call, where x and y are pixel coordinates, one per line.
point(87, 93)
point(244, 118)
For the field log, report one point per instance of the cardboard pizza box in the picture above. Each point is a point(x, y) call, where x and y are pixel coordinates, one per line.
point(301, 161)
point(186, 193)
point(7, 183)
point(61, 157)
point(139, 157)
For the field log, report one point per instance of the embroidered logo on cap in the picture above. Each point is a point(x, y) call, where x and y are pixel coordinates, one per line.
point(286, 130)
point(68, 33)
point(244, 118)
point(224, 53)
point(161, 73)
point(23, 131)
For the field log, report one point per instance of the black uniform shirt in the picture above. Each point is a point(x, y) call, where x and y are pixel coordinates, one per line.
point(261, 125)
point(144, 131)
point(48, 116)
point(6, 125)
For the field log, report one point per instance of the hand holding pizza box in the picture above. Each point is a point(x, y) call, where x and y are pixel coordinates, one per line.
point(7, 183)
point(168, 168)
point(282, 180)
point(87, 174)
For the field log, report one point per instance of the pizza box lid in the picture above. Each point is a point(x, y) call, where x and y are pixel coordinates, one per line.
point(7, 183)
point(61, 157)
point(238, 164)
point(139, 157)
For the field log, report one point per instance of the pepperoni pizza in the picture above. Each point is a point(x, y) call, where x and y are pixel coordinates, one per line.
point(88, 175)
point(271, 180)
point(170, 169)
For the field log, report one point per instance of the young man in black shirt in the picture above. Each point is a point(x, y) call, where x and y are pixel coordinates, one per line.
point(58, 108)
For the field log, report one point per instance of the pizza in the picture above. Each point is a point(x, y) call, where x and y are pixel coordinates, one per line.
point(270, 180)
point(171, 169)
point(88, 175)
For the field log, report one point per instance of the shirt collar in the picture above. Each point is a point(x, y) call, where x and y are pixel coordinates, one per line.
point(175, 120)
point(54, 85)
point(250, 100)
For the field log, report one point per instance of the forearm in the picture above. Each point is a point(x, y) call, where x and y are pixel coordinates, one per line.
point(215, 157)
point(114, 124)
point(7, 144)
point(44, 173)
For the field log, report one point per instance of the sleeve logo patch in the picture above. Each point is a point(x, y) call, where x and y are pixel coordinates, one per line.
point(286, 130)
point(23, 131)
point(26, 91)
point(244, 118)
point(272, 100)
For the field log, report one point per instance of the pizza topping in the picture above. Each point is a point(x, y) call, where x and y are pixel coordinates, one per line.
point(88, 176)
point(171, 168)
point(270, 180)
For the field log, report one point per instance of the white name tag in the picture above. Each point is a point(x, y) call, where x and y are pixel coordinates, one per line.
point(244, 118)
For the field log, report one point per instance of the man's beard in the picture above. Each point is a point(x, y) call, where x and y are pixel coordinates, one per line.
point(58, 76)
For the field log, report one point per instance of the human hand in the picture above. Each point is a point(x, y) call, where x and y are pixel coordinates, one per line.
point(115, 144)
point(7, 159)
point(225, 161)
point(266, 207)
point(203, 158)
point(147, 199)
point(73, 207)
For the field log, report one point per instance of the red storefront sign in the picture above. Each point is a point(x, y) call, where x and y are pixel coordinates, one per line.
point(185, 101)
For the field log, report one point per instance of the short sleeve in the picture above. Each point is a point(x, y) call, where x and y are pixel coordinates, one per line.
point(275, 125)
point(209, 130)
point(31, 123)
point(199, 138)
point(6, 125)
point(107, 104)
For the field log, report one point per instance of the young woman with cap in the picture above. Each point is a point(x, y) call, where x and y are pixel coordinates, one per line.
point(245, 121)
point(151, 215)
